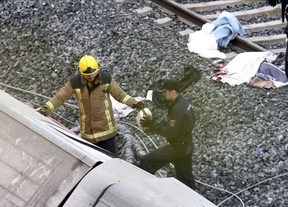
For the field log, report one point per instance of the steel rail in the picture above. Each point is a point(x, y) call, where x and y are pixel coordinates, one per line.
point(191, 18)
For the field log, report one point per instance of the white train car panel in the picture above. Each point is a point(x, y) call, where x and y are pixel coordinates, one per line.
point(41, 164)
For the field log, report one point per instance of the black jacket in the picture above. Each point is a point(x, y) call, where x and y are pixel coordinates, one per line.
point(180, 122)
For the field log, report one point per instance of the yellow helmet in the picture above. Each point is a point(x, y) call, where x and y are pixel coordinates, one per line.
point(88, 65)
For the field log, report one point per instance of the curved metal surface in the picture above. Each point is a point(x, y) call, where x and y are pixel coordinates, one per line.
point(40, 165)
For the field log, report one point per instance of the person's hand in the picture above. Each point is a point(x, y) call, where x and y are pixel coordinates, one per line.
point(43, 110)
point(146, 122)
point(139, 105)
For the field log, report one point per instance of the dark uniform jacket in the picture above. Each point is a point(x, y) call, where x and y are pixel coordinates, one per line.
point(96, 116)
point(180, 122)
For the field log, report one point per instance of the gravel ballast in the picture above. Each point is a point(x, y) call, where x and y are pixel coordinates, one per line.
point(240, 135)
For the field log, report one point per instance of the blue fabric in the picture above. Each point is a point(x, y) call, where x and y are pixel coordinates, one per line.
point(226, 28)
point(269, 72)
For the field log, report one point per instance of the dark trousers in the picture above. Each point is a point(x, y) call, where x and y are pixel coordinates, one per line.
point(108, 144)
point(181, 157)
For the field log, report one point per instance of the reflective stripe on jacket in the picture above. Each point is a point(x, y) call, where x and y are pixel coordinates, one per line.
point(96, 117)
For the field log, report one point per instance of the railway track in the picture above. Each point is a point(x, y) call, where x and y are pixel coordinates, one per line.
point(197, 14)
point(219, 156)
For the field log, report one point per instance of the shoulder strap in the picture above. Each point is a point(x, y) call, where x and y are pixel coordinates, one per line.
point(105, 77)
point(76, 82)
point(106, 80)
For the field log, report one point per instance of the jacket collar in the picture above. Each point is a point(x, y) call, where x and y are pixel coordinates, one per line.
point(97, 79)
point(172, 104)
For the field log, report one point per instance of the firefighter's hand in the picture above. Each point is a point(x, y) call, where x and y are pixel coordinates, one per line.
point(146, 122)
point(43, 110)
point(139, 105)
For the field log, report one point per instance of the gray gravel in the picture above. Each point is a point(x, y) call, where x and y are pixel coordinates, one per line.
point(241, 133)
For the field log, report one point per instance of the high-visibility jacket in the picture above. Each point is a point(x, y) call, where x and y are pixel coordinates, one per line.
point(96, 117)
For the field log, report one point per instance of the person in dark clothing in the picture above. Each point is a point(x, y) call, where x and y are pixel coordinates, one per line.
point(177, 130)
point(286, 32)
point(284, 3)
point(284, 12)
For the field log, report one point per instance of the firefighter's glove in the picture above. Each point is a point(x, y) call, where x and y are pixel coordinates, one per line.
point(147, 122)
point(43, 110)
point(139, 105)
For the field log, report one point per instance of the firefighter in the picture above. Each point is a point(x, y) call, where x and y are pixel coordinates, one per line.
point(92, 88)
point(177, 130)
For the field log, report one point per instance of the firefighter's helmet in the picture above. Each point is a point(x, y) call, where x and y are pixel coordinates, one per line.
point(88, 65)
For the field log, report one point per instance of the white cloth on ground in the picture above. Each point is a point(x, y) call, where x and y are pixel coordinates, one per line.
point(203, 42)
point(242, 68)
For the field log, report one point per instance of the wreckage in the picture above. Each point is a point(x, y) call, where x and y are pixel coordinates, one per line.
point(44, 164)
